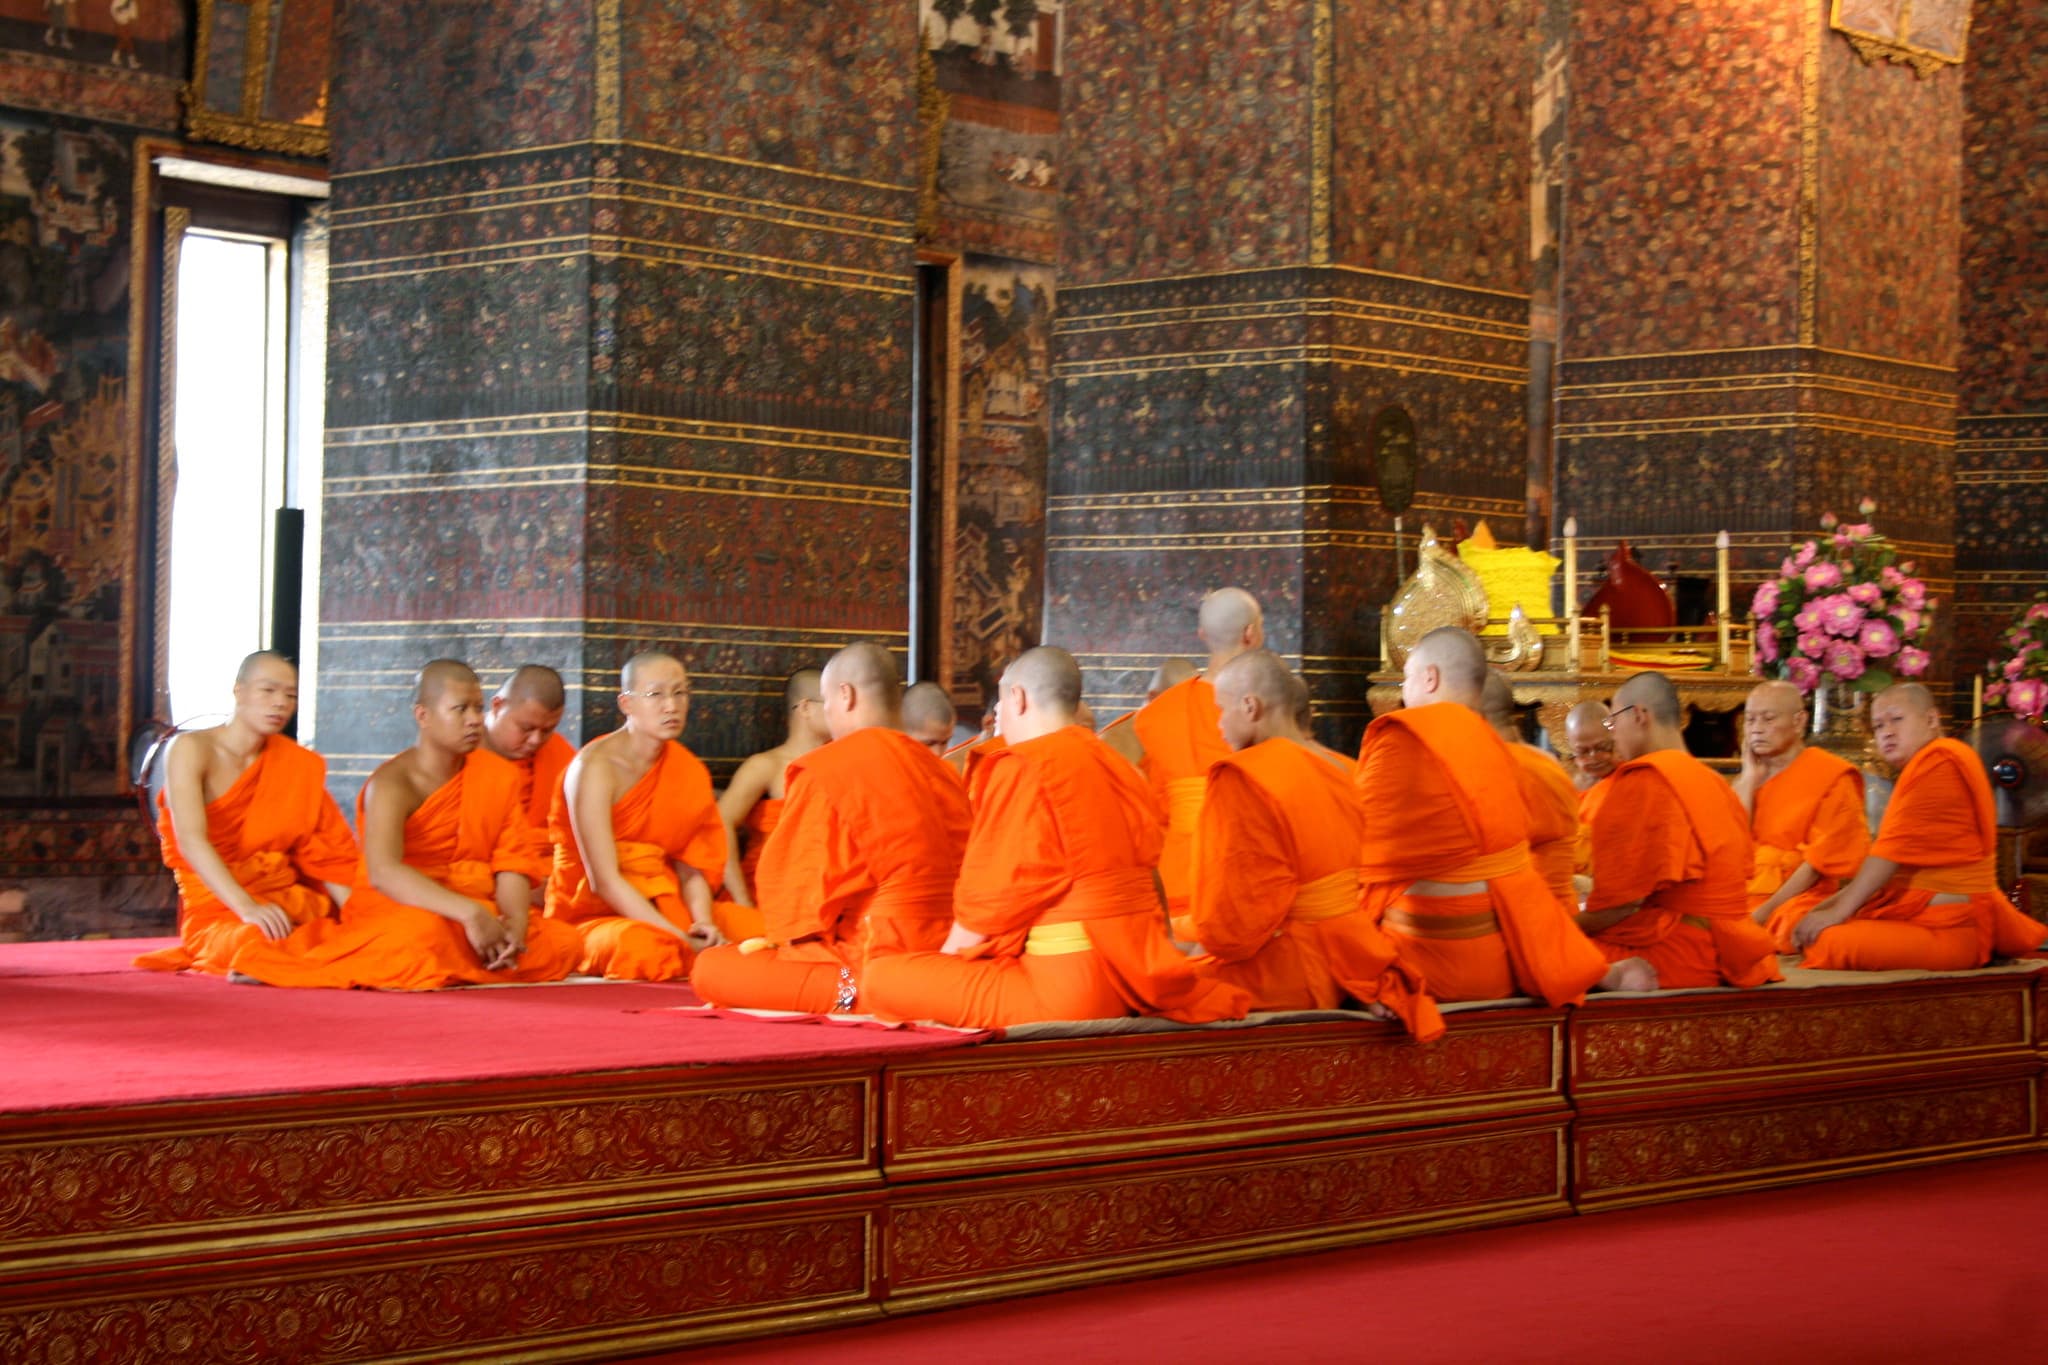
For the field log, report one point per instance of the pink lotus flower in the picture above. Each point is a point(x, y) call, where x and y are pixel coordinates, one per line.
point(1866, 595)
point(1877, 639)
point(1829, 521)
point(1766, 600)
point(1861, 531)
point(1844, 660)
point(1823, 576)
point(1766, 644)
point(1866, 507)
point(1907, 568)
point(1813, 646)
point(1890, 577)
point(1807, 553)
point(2014, 667)
point(1839, 615)
point(1913, 593)
point(2038, 612)
point(1808, 620)
point(1788, 567)
point(2029, 697)
point(1803, 674)
point(1912, 662)
point(1994, 694)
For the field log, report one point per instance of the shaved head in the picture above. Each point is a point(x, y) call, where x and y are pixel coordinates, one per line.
point(640, 663)
point(1904, 719)
point(862, 687)
point(1049, 676)
point(249, 665)
point(1644, 717)
point(1257, 694)
point(535, 683)
point(1497, 704)
point(1172, 673)
point(928, 716)
point(1448, 664)
point(436, 677)
point(1263, 674)
point(1230, 621)
point(1773, 722)
point(1654, 693)
point(1592, 748)
point(1908, 694)
point(804, 685)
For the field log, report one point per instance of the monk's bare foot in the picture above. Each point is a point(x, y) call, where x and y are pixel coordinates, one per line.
point(1630, 974)
point(1378, 1011)
point(244, 979)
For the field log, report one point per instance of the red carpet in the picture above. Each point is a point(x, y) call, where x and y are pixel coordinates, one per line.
point(133, 1037)
point(81, 957)
point(1945, 1265)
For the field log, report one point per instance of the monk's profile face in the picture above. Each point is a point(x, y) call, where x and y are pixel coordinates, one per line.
point(934, 734)
point(1629, 723)
point(1592, 748)
point(808, 717)
point(1419, 682)
point(454, 718)
point(659, 704)
point(1237, 723)
point(519, 728)
point(1771, 725)
point(1902, 729)
point(269, 699)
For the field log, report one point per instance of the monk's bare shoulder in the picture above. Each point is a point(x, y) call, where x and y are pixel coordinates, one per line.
point(197, 759)
point(397, 782)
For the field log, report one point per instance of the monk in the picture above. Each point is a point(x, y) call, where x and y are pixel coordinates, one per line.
point(638, 837)
point(1547, 795)
point(1445, 860)
point(752, 803)
point(520, 728)
point(1805, 811)
point(1057, 914)
point(1275, 908)
point(1671, 855)
point(1304, 709)
point(862, 865)
point(259, 849)
point(1593, 762)
point(1178, 732)
point(443, 895)
point(929, 717)
point(1120, 734)
point(962, 755)
point(1927, 894)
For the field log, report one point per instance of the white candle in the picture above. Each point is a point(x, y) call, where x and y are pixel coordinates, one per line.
point(1721, 594)
point(1571, 567)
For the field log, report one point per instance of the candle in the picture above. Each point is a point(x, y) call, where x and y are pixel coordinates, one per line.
point(1977, 697)
point(1721, 593)
point(1571, 568)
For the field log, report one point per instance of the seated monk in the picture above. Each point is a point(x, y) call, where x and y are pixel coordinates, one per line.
point(637, 836)
point(443, 896)
point(1057, 912)
point(1120, 734)
point(1927, 895)
point(862, 865)
point(1275, 908)
point(752, 803)
point(961, 756)
point(1592, 749)
point(1805, 812)
point(929, 717)
point(1177, 731)
point(520, 728)
point(1547, 795)
point(259, 849)
point(1445, 859)
point(1671, 855)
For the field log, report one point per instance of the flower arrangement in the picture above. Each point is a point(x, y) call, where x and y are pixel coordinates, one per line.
point(2020, 683)
point(1843, 608)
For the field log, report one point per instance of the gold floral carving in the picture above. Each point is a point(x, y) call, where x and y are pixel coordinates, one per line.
point(1888, 30)
point(609, 94)
point(934, 110)
point(1322, 132)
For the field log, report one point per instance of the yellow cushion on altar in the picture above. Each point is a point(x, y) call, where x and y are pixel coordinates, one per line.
point(1510, 575)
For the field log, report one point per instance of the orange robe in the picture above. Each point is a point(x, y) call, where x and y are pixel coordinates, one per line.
point(862, 866)
point(1432, 781)
point(1810, 813)
point(281, 836)
point(668, 817)
point(1589, 810)
point(1275, 903)
point(1672, 834)
point(740, 922)
point(471, 829)
point(1181, 731)
point(1941, 828)
point(1553, 809)
point(540, 777)
point(1059, 876)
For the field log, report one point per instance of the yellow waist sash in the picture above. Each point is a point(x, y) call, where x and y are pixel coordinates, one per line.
point(1961, 879)
point(1056, 940)
point(1479, 925)
point(1326, 897)
point(1184, 797)
point(1484, 868)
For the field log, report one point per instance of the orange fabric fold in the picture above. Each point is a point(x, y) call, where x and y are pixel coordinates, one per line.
point(1430, 780)
point(1275, 901)
point(1589, 809)
point(540, 779)
point(281, 836)
point(470, 830)
point(1674, 836)
point(1180, 730)
point(861, 866)
point(1810, 813)
point(1553, 810)
point(1941, 828)
point(1065, 832)
point(668, 817)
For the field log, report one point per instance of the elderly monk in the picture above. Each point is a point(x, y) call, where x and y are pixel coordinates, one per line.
point(1057, 913)
point(752, 803)
point(1275, 908)
point(1593, 762)
point(1671, 855)
point(863, 863)
point(638, 837)
point(259, 849)
point(929, 717)
point(443, 896)
point(1805, 811)
point(1178, 732)
point(520, 728)
point(1446, 852)
point(1547, 795)
point(1927, 894)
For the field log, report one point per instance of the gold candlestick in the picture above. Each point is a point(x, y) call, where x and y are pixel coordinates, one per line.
point(1571, 567)
point(1721, 596)
point(1977, 697)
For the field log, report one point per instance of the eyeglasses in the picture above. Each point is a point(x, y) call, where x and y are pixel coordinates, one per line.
point(1607, 723)
point(679, 694)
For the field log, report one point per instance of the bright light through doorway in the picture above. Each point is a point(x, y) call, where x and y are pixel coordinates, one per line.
point(230, 460)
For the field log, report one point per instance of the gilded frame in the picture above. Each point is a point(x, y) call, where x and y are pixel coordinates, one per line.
point(246, 127)
point(1895, 46)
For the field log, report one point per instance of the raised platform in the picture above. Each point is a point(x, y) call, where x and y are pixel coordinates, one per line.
point(191, 1170)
